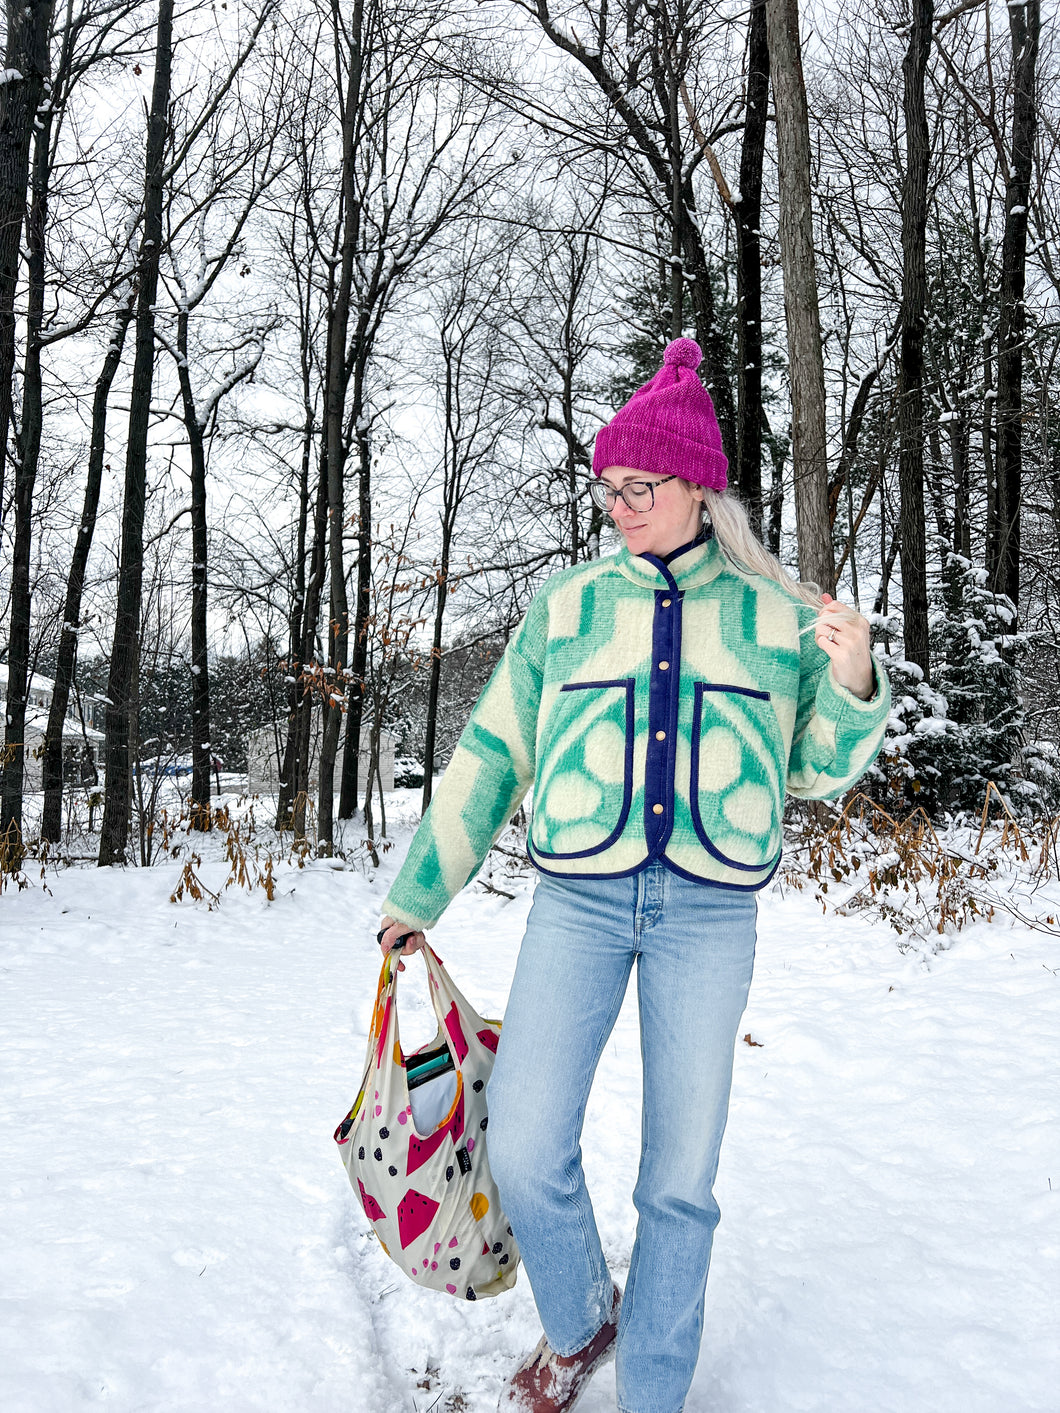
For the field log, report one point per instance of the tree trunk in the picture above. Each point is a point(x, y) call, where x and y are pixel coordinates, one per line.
point(201, 751)
point(295, 688)
point(805, 358)
point(673, 93)
point(363, 599)
point(27, 62)
point(749, 269)
point(1004, 562)
point(715, 372)
point(441, 594)
point(336, 386)
point(51, 823)
point(962, 525)
point(911, 367)
point(114, 833)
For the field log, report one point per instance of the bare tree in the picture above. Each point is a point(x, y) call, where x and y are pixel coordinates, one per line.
point(114, 831)
point(474, 416)
point(805, 358)
point(642, 60)
point(748, 212)
point(1004, 550)
point(563, 307)
point(166, 155)
point(911, 375)
point(209, 201)
point(22, 94)
point(412, 159)
point(53, 764)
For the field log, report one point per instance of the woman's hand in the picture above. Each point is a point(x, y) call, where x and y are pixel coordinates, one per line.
point(392, 930)
point(844, 635)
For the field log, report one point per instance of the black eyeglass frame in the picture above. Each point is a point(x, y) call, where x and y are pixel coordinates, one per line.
point(605, 495)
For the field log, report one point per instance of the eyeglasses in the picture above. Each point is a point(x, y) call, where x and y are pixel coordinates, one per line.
point(638, 495)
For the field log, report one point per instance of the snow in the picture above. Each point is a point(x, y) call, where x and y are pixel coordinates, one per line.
point(178, 1233)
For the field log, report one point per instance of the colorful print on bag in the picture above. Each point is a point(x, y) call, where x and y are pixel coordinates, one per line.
point(414, 1144)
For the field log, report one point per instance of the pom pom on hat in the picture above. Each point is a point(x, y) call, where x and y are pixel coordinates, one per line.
point(683, 353)
point(668, 427)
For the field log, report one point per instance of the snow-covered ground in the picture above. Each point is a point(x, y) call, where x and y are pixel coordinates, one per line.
point(177, 1231)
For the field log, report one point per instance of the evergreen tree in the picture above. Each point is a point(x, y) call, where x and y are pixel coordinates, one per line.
point(948, 740)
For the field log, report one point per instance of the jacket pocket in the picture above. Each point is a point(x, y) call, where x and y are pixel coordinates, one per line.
point(584, 785)
point(736, 794)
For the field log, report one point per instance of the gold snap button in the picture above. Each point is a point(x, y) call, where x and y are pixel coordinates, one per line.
point(660, 735)
point(663, 666)
point(666, 603)
point(656, 809)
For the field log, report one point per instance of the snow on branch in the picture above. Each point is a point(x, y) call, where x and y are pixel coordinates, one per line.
point(244, 367)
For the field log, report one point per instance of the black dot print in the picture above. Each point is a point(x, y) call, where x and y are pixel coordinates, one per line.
point(477, 1086)
point(384, 1133)
point(484, 1122)
point(449, 1174)
point(392, 1170)
point(504, 1260)
point(360, 1153)
point(454, 1264)
point(378, 1155)
point(471, 1294)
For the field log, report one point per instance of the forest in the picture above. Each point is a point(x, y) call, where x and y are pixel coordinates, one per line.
point(309, 315)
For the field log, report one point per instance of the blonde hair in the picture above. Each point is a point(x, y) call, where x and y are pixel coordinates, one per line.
point(742, 547)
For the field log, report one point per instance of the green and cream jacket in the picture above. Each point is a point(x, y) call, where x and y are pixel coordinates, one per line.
point(660, 709)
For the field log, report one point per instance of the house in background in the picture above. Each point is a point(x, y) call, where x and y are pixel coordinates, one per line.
point(82, 733)
point(265, 758)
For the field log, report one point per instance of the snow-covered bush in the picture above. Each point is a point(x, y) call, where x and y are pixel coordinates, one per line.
point(408, 773)
point(949, 738)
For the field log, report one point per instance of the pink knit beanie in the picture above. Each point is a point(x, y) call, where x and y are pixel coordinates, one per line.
point(668, 427)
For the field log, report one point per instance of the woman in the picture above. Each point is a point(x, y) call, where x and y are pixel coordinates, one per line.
point(661, 701)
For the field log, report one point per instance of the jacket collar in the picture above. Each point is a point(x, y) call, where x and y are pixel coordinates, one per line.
point(686, 567)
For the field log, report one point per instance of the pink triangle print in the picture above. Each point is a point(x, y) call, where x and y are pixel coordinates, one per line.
point(414, 1215)
point(372, 1209)
point(456, 1034)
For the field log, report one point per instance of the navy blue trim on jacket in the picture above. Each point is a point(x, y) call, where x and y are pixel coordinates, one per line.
point(627, 787)
point(654, 858)
point(698, 690)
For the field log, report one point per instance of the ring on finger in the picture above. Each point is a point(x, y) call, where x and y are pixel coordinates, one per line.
point(831, 636)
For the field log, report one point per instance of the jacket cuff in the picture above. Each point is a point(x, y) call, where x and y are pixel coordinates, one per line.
point(402, 915)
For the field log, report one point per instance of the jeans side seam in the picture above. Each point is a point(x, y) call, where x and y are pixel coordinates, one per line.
point(616, 1006)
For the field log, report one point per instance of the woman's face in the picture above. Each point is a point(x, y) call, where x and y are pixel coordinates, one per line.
point(673, 521)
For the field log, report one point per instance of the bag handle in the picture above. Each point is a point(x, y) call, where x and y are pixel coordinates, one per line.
point(443, 991)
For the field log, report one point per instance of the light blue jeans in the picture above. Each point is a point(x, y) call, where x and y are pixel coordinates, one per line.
point(694, 949)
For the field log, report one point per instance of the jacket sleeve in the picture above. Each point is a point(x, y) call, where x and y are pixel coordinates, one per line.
point(837, 735)
point(490, 771)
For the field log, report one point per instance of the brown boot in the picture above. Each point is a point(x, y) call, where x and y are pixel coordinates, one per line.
point(552, 1383)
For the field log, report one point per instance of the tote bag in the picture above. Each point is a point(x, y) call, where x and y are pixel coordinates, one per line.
point(414, 1144)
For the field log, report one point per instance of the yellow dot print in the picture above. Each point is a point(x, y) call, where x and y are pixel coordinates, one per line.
point(480, 1205)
